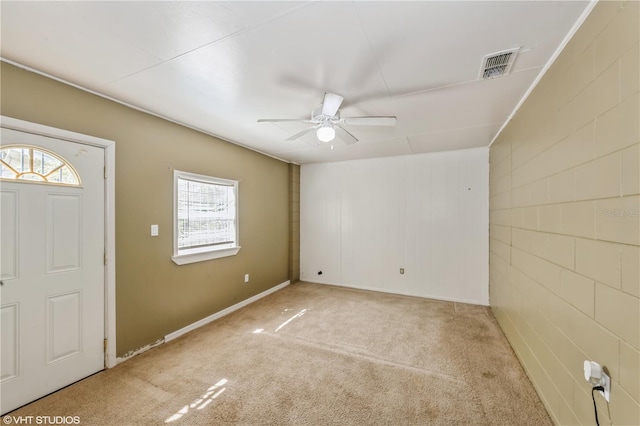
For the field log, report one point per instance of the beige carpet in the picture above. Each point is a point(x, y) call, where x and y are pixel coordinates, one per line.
point(317, 355)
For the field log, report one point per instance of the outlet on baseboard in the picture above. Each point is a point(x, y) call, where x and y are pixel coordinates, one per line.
point(246, 278)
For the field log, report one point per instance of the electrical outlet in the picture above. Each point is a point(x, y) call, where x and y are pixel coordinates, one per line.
point(607, 387)
point(246, 278)
point(401, 271)
point(596, 375)
point(154, 230)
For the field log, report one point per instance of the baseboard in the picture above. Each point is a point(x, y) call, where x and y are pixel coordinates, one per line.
point(171, 336)
point(138, 351)
point(381, 290)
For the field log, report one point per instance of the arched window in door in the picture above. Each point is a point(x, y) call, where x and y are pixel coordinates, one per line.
point(34, 164)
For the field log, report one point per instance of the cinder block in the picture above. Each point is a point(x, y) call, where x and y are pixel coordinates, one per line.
point(501, 185)
point(618, 219)
point(599, 178)
point(550, 218)
point(618, 127)
point(579, 291)
point(624, 409)
point(619, 313)
point(599, 260)
point(579, 74)
point(630, 170)
point(500, 217)
point(561, 250)
point(596, 341)
point(562, 187)
point(498, 248)
point(520, 239)
point(539, 192)
point(582, 109)
point(602, 14)
point(578, 219)
point(501, 201)
point(630, 370)
point(538, 243)
point(618, 36)
point(607, 87)
point(517, 217)
point(500, 233)
point(521, 196)
point(630, 72)
point(630, 269)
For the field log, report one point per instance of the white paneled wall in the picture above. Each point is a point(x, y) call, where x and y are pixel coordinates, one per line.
point(361, 221)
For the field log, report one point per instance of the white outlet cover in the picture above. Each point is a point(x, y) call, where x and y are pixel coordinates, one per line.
point(154, 230)
point(607, 387)
point(246, 278)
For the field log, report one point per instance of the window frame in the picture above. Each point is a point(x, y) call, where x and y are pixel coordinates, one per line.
point(45, 178)
point(186, 256)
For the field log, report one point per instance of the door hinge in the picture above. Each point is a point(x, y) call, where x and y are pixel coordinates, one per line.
point(105, 172)
point(105, 258)
point(105, 345)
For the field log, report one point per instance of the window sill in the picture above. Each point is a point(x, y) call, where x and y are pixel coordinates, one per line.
point(185, 259)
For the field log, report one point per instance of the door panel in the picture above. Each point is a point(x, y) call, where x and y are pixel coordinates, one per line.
point(64, 327)
point(9, 235)
point(9, 318)
point(52, 297)
point(64, 232)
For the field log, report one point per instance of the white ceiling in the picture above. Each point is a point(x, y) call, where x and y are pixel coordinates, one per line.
point(220, 66)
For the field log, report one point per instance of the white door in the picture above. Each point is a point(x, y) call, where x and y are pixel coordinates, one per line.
point(52, 265)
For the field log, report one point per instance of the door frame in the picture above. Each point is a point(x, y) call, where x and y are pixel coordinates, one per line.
point(109, 147)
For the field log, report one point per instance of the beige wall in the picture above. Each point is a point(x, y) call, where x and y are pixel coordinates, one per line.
point(154, 296)
point(564, 225)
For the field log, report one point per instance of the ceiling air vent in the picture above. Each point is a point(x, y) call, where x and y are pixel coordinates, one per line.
point(497, 64)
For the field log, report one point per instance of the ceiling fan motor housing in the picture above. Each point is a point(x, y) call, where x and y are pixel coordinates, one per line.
point(318, 117)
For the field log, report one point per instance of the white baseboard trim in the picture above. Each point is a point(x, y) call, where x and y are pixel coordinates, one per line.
point(403, 293)
point(171, 336)
point(138, 351)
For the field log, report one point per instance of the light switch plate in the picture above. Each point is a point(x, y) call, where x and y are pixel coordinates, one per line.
point(154, 230)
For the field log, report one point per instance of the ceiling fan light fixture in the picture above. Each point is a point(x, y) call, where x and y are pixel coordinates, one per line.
point(326, 133)
point(326, 118)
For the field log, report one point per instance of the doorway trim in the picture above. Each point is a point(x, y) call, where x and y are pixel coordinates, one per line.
point(110, 216)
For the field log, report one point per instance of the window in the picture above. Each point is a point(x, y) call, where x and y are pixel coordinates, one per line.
point(36, 165)
point(205, 218)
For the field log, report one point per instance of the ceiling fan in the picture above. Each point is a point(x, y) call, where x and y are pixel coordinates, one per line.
point(326, 121)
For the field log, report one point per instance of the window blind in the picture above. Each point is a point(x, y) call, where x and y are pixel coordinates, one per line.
point(206, 214)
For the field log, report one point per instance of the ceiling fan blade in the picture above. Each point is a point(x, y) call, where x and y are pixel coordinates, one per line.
point(282, 120)
point(331, 104)
point(348, 138)
point(302, 133)
point(370, 121)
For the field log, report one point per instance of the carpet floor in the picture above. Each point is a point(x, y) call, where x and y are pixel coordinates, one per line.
point(317, 355)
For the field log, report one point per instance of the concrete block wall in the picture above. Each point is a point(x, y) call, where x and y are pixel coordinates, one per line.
point(565, 224)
